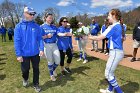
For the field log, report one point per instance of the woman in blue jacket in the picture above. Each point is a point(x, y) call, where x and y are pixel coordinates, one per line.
point(65, 45)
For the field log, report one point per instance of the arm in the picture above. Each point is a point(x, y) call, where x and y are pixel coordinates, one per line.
point(97, 38)
point(40, 40)
point(17, 41)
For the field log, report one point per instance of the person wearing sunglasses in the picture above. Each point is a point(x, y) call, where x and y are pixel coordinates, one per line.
point(65, 45)
point(49, 34)
point(29, 46)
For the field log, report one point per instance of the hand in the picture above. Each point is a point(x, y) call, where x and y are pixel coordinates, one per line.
point(41, 53)
point(19, 59)
point(124, 38)
point(49, 35)
point(69, 34)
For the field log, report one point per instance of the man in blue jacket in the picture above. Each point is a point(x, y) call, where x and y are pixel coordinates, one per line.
point(94, 27)
point(3, 33)
point(29, 46)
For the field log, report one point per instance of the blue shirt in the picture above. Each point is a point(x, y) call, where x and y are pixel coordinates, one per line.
point(49, 29)
point(64, 42)
point(94, 29)
point(114, 33)
point(103, 28)
point(28, 39)
point(3, 30)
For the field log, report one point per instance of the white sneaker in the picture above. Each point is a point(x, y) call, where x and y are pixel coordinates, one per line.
point(105, 91)
point(79, 59)
point(54, 73)
point(25, 83)
point(53, 78)
point(106, 54)
point(85, 61)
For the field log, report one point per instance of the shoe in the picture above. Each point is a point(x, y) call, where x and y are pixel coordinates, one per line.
point(54, 73)
point(37, 88)
point(106, 54)
point(25, 83)
point(92, 49)
point(79, 59)
point(63, 73)
point(67, 70)
point(96, 50)
point(85, 61)
point(53, 78)
point(101, 51)
point(133, 59)
point(105, 91)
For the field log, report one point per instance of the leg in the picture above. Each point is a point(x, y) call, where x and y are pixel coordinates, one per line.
point(93, 46)
point(80, 49)
point(35, 64)
point(115, 56)
point(4, 37)
point(56, 57)
point(62, 58)
point(49, 57)
point(135, 52)
point(69, 55)
point(96, 46)
point(103, 45)
point(25, 67)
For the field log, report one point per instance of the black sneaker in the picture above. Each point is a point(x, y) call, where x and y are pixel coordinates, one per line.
point(67, 70)
point(92, 49)
point(63, 73)
point(37, 88)
point(133, 59)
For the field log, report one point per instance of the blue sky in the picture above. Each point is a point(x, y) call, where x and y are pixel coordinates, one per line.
point(91, 7)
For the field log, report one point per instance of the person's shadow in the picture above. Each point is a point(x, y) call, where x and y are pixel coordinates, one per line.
point(62, 80)
point(130, 87)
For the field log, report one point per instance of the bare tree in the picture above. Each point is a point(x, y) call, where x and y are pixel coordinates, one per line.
point(53, 11)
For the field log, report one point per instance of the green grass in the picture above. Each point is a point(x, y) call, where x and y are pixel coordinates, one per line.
point(85, 78)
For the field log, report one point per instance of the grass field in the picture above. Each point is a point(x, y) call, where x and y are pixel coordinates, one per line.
point(85, 78)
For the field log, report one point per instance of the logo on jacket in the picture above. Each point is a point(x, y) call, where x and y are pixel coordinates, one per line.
point(138, 27)
point(33, 29)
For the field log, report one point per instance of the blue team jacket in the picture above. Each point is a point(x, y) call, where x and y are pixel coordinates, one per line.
point(28, 39)
point(49, 29)
point(94, 29)
point(64, 42)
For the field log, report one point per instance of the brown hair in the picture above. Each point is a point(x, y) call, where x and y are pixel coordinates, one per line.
point(61, 20)
point(46, 15)
point(118, 16)
point(116, 13)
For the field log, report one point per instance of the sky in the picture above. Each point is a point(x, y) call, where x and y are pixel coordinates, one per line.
point(91, 7)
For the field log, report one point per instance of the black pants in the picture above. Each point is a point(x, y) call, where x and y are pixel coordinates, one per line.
point(3, 37)
point(62, 55)
point(10, 37)
point(104, 42)
point(25, 67)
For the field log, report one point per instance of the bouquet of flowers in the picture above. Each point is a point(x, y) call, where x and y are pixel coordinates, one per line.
point(81, 31)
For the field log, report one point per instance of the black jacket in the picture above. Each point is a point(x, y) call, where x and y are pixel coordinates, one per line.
point(136, 32)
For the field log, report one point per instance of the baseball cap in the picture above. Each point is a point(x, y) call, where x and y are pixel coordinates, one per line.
point(29, 10)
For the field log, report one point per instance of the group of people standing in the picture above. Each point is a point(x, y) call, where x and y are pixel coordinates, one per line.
point(32, 41)
point(3, 33)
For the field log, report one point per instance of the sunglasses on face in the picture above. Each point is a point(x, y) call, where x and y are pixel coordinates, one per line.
point(65, 21)
point(31, 14)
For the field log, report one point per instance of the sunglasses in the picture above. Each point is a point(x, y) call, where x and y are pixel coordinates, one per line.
point(31, 14)
point(65, 21)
